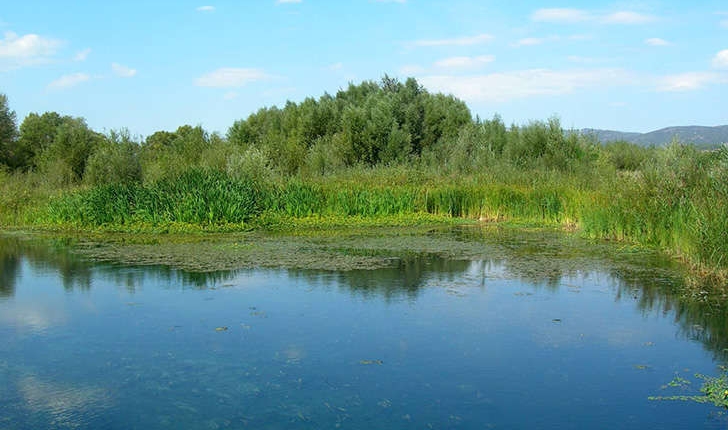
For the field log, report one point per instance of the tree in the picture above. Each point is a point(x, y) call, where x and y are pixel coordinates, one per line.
point(65, 158)
point(116, 160)
point(37, 133)
point(8, 131)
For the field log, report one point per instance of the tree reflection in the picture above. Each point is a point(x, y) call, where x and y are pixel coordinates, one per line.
point(543, 260)
point(9, 269)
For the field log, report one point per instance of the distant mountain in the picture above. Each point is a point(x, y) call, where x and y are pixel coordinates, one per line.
point(699, 135)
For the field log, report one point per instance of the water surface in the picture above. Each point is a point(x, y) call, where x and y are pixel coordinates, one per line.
point(428, 342)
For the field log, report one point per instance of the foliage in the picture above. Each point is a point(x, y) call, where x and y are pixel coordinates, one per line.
point(624, 155)
point(714, 389)
point(195, 197)
point(116, 160)
point(370, 123)
point(37, 134)
point(8, 131)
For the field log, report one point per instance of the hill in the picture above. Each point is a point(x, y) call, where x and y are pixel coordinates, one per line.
point(699, 135)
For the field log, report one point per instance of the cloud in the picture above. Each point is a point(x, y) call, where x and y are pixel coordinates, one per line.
point(68, 81)
point(335, 67)
point(123, 71)
point(689, 81)
point(628, 17)
point(411, 70)
point(560, 15)
point(30, 49)
point(506, 86)
point(207, 8)
point(229, 77)
point(530, 41)
point(724, 23)
point(82, 55)
point(656, 41)
point(28, 46)
point(464, 62)
point(591, 60)
point(571, 16)
point(458, 41)
point(288, 1)
point(230, 95)
point(720, 61)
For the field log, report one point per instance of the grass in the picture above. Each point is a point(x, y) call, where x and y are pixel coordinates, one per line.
point(214, 200)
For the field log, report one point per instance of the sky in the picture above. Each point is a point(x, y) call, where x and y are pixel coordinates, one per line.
point(156, 65)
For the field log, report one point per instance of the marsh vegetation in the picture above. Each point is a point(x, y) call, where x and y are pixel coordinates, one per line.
point(376, 153)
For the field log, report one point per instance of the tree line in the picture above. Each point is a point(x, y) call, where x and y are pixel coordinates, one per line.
point(387, 122)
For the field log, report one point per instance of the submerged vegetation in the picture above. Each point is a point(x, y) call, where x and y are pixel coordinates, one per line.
point(385, 152)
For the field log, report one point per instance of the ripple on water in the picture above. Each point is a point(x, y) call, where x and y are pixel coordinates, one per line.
point(66, 405)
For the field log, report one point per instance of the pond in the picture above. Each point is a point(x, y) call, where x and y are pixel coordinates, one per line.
point(483, 329)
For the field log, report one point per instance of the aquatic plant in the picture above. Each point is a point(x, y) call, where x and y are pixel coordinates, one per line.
point(714, 389)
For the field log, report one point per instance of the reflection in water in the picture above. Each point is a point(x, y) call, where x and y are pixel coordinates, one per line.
point(543, 259)
point(405, 278)
point(69, 406)
point(10, 257)
point(34, 317)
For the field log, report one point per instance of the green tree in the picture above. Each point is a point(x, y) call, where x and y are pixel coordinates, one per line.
point(115, 160)
point(8, 132)
point(37, 133)
point(65, 159)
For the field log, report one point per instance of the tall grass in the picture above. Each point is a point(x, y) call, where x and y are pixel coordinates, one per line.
point(214, 198)
point(677, 202)
point(195, 197)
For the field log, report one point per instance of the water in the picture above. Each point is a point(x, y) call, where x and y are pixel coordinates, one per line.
point(429, 343)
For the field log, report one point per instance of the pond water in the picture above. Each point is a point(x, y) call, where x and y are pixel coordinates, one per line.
point(429, 342)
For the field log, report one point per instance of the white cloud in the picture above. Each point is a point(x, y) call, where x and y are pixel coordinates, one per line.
point(411, 70)
point(229, 77)
point(231, 95)
point(720, 61)
point(30, 49)
point(82, 55)
point(28, 46)
point(656, 41)
point(68, 81)
point(530, 41)
point(458, 41)
point(335, 67)
point(563, 15)
point(571, 16)
point(207, 8)
point(628, 17)
point(689, 81)
point(579, 37)
point(506, 86)
point(123, 71)
point(724, 23)
point(464, 62)
point(588, 60)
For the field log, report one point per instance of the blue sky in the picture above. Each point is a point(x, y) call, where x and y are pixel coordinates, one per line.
point(155, 65)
